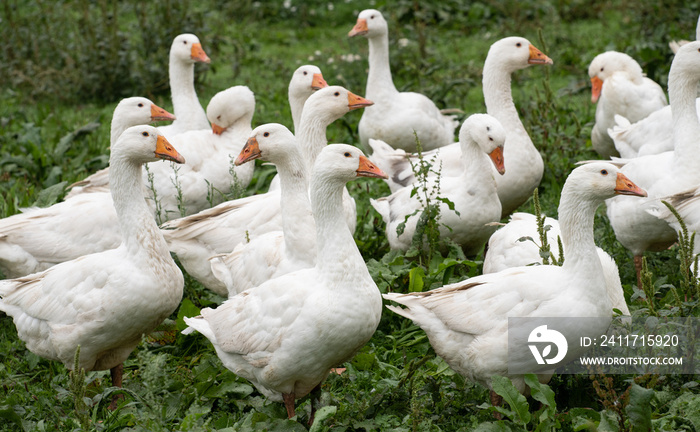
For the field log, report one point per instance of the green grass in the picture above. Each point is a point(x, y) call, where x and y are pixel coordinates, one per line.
point(172, 382)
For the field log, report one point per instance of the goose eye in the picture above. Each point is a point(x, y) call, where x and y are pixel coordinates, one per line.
point(518, 44)
point(601, 69)
point(266, 134)
point(371, 17)
point(218, 117)
point(604, 172)
point(184, 42)
point(490, 139)
point(337, 93)
point(347, 154)
point(144, 134)
point(140, 105)
point(306, 73)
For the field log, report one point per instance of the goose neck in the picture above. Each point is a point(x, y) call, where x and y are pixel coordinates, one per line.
point(312, 134)
point(379, 80)
point(576, 218)
point(136, 222)
point(498, 96)
point(475, 164)
point(186, 106)
point(682, 93)
point(334, 241)
point(294, 202)
point(296, 106)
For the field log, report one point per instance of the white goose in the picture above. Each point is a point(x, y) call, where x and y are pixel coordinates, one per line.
point(285, 335)
point(208, 154)
point(39, 238)
point(211, 152)
point(467, 322)
point(129, 112)
point(185, 51)
point(104, 303)
point(473, 192)
point(396, 115)
point(524, 165)
point(305, 81)
point(666, 173)
point(505, 250)
point(620, 88)
point(218, 230)
point(277, 252)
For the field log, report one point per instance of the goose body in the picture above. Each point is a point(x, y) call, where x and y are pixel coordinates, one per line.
point(524, 165)
point(104, 302)
point(505, 250)
point(467, 322)
point(396, 115)
point(277, 252)
point(185, 51)
point(39, 238)
point(285, 335)
point(219, 230)
point(666, 173)
point(473, 192)
point(619, 88)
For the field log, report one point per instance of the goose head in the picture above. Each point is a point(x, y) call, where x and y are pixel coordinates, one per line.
point(489, 134)
point(342, 163)
point(599, 181)
point(687, 62)
point(229, 106)
point(370, 23)
point(143, 144)
point(186, 48)
point(139, 110)
point(305, 80)
point(333, 102)
point(271, 142)
point(604, 65)
point(515, 53)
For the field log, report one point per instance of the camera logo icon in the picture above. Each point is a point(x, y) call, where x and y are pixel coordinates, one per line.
point(542, 335)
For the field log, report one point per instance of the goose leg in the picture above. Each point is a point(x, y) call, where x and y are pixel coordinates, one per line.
point(496, 400)
point(315, 397)
point(289, 404)
point(638, 269)
point(116, 374)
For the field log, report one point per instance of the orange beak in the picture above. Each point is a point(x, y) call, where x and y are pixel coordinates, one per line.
point(597, 87)
point(368, 169)
point(158, 114)
point(218, 130)
point(164, 150)
point(624, 186)
point(250, 151)
point(359, 29)
point(318, 82)
point(198, 54)
point(355, 101)
point(538, 57)
point(497, 158)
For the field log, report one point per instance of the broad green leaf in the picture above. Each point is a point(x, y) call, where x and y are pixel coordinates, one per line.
point(51, 195)
point(517, 402)
point(415, 279)
point(639, 408)
point(187, 309)
point(321, 415)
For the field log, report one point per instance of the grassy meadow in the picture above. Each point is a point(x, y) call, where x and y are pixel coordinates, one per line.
point(65, 65)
